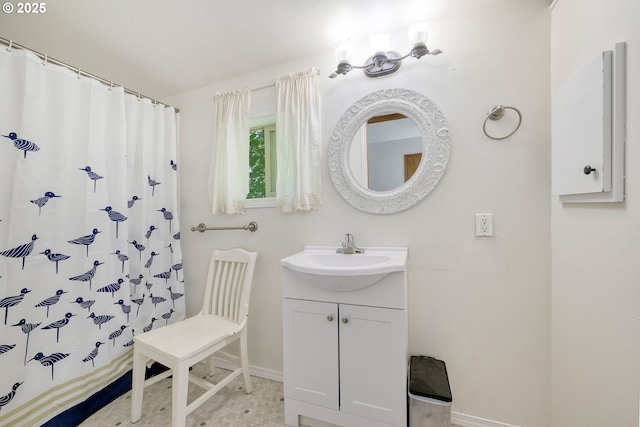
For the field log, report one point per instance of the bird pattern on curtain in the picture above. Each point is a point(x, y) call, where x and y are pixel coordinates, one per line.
point(89, 241)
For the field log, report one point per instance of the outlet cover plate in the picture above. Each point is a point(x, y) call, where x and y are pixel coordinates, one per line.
point(484, 224)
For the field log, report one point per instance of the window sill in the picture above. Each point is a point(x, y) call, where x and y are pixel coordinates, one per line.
point(267, 202)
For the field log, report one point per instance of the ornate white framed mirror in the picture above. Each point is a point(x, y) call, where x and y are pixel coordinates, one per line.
point(355, 169)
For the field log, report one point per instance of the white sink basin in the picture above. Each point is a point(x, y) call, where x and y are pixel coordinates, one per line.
point(322, 267)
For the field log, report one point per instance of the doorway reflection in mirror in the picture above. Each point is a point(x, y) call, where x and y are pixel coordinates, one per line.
point(385, 152)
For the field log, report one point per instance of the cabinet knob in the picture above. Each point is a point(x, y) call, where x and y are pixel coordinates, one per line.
point(330, 318)
point(588, 169)
point(345, 320)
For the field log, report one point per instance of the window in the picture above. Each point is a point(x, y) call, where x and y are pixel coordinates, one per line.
point(262, 162)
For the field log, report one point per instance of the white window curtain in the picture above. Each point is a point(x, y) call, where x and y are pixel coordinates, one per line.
point(229, 175)
point(298, 146)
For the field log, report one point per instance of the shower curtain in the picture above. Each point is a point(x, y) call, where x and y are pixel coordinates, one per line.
point(89, 238)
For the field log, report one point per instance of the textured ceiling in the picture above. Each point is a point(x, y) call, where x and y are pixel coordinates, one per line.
point(164, 47)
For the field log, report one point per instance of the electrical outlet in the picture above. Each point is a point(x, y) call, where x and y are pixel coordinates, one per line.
point(484, 224)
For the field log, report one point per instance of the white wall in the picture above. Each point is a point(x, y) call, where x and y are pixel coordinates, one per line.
point(596, 254)
point(480, 304)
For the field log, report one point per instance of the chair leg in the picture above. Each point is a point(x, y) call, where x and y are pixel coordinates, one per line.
point(244, 361)
point(137, 383)
point(212, 365)
point(180, 388)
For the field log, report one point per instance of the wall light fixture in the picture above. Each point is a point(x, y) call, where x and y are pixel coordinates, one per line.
point(384, 62)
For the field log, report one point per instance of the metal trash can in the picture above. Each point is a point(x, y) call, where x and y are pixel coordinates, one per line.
point(429, 393)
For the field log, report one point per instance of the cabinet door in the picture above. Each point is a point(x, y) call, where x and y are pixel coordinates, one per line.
point(581, 130)
point(311, 352)
point(373, 363)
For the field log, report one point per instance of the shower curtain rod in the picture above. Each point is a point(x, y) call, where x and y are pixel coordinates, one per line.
point(10, 44)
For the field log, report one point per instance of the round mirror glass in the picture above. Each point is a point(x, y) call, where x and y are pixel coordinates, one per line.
point(386, 152)
point(396, 186)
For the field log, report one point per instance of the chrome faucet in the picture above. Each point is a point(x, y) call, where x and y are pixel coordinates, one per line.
point(349, 246)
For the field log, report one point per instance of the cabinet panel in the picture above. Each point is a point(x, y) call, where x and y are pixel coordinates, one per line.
point(373, 363)
point(311, 352)
point(581, 129)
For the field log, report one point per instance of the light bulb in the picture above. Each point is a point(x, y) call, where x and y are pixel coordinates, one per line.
point(418, 32)
point(343, 51)
point(380, 41)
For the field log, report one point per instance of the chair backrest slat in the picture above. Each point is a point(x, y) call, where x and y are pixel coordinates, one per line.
point(229, 284)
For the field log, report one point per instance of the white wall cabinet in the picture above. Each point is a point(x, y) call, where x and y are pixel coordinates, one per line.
point(588, 131)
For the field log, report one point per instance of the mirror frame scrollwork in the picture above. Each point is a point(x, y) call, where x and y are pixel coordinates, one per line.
point(435, 150)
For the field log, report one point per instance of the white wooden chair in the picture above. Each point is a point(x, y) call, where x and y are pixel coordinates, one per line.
point(222, 320)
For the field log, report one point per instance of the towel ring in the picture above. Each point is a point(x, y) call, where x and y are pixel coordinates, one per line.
point(496, 113)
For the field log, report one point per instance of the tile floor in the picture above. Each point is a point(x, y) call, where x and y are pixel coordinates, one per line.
point(230, 407)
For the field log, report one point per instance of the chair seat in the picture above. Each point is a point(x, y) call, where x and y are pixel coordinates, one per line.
point(182, 340)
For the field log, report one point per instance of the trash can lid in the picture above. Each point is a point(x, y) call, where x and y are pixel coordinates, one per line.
point(428, 378)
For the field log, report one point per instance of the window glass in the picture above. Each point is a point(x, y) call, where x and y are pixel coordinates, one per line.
point(262, 162)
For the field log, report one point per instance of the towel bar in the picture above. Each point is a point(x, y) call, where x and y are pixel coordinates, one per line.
point(252, 226)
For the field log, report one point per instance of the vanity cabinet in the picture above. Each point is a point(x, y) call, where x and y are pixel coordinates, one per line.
point(345, 353)
point(347, 358)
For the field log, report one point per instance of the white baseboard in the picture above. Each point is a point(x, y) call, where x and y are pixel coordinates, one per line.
point(253, 370)
point(266, 374)
point(464, 420)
